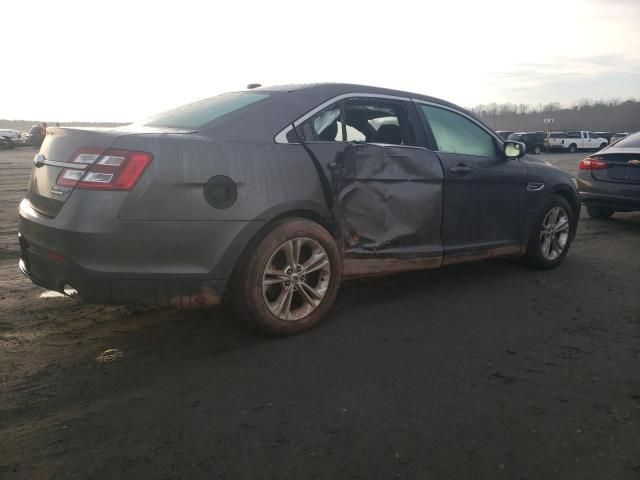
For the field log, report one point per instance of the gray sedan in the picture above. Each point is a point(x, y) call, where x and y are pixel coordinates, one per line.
point(269, 197)
point(609, 180)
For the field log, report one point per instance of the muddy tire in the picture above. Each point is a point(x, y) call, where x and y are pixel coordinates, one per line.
point(551, 234)
point(600, 213)
point(289, 278)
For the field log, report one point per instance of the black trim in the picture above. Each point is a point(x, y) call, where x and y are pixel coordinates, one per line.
point(324, 181)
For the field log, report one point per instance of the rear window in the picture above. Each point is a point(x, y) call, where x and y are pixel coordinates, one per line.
point(204, 111)
point(515, 136)
point(632, 141)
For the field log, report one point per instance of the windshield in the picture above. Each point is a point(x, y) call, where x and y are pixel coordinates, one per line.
point(204, 111)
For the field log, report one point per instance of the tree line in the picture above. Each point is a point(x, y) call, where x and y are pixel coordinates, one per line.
point(595, 115)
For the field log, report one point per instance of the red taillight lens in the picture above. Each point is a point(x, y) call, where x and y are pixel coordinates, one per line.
point(592, 164)
point(106, 169)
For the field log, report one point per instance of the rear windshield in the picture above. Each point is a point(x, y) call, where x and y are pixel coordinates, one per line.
point(204, 111)
point(632, 141)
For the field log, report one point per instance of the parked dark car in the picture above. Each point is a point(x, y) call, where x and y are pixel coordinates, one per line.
point(534, 141)
point(269, 197)
point(504, 134)
point(609, 181)
point(10, 138)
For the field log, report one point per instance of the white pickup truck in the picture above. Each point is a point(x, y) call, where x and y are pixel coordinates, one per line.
point(572, 141)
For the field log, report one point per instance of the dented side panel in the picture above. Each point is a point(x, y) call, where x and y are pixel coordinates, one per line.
point(388, 204)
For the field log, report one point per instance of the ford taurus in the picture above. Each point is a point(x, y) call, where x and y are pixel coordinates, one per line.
point(269, 197)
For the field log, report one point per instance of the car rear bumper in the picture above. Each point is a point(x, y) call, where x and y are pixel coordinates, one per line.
point(56, 272)
point(106, 260)
point(613, 202)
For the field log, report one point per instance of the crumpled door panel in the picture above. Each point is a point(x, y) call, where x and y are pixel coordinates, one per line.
point(388, 201)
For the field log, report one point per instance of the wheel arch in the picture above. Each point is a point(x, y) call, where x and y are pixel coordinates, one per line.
point(572, 199)
point(257, 230)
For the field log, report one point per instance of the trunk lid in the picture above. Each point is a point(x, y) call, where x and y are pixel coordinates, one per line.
point(621, 168)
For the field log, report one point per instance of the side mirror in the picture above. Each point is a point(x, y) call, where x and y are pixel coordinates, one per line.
point(513, 149)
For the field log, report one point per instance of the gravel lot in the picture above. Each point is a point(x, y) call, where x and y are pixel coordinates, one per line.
point(487, 370)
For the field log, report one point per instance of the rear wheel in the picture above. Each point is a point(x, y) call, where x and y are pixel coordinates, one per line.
point(602, 145)
point(572, 148)
point(537, 149)
point(290, 278)
point(599, 212)
point(551, 235)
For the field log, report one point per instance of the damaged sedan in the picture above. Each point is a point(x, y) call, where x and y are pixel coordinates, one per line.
point(270, 197)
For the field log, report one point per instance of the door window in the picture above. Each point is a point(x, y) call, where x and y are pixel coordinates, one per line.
point(457, 134)
point(366, 119)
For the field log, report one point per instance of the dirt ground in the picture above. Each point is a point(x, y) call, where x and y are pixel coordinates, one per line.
point(480, 371)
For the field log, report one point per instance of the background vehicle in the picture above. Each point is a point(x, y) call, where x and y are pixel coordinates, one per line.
point(504, 134)
point(11, 138)
point(36, 135)
point(609, 181)
point(577, 140)
point(618, 136)
point(605, 135)
point(273, 195)
point(535, 141)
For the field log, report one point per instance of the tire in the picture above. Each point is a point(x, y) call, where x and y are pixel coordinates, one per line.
point(602, 145)
point(259, 295)
point(537, 149)
point(600, 213)
point(572, 148)
point(542, 252)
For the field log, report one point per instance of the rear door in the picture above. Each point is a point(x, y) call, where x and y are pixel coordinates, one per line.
point(387, 190)
point(484, 192)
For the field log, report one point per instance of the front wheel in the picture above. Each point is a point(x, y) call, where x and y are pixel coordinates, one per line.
point(289, 279)
point(551, 234)
point(599, 212)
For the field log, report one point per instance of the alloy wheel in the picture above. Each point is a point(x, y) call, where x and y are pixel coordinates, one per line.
point(296, 279)
point(554, 233)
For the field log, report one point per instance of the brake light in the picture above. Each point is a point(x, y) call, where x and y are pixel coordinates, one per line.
point(592, 164)
point(106, 169)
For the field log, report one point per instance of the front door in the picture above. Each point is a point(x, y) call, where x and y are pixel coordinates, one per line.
point(484, 192)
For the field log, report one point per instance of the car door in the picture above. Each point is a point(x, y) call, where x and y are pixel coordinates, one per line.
point(484, 192)
point(387, 190)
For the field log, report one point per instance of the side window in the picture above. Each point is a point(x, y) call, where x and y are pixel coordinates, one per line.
point(372, 120)
point(457, 134)
point(376, 120)
point(324, 126)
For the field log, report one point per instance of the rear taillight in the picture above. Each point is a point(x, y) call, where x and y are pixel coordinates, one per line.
point(592, 164)
point(105, 169)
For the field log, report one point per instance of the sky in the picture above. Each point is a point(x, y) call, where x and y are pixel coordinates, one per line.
point(99, 60)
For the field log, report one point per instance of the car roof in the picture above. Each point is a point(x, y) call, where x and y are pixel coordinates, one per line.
point(335, 89)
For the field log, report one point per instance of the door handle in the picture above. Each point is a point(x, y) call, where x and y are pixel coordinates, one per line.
point(461, 169)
